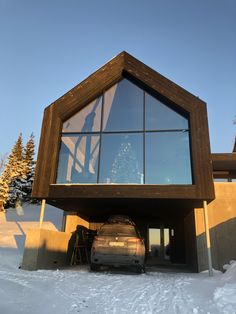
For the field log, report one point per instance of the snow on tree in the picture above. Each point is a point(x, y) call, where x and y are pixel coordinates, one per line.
point(2, 162)
point(17, 192)
point(3, 183)
point(4, 188)
point(16, 164)
point(16, 169)
point(28, 155)
point(125, 168)
point(5, 179)
point(17, 178)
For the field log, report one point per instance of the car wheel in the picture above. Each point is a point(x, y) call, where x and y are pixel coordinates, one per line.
point(94, 267)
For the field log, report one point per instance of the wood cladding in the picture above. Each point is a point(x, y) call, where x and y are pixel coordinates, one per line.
point(124, 65)
point(223, 162)
point(224, 166)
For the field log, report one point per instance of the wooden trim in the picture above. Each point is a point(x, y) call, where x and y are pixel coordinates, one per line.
point(121, 191)
point(224, 161)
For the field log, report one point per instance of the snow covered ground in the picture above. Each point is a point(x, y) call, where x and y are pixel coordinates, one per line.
point(78, 290)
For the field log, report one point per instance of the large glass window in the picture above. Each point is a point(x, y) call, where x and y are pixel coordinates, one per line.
point(125, 136)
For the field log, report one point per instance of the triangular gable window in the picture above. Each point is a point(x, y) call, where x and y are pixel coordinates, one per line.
point(126, 136)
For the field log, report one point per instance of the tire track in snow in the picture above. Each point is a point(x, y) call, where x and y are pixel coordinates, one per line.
point(108, 293)
point(14, 278)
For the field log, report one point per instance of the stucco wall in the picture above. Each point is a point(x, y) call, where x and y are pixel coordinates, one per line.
point(222, 224)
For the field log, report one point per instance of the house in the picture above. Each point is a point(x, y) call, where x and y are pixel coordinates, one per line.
point(129, 141)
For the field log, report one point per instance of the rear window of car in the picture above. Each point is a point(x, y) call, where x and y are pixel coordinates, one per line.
point(118, 229)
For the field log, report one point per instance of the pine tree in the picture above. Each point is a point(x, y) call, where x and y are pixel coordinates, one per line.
point(16, 173)
point(30, 166)
point(17, 178)
point(2, 162)
point(16, 192)
point(16, 165)
point(4, 188)
point(29, 155)
point(3, 183)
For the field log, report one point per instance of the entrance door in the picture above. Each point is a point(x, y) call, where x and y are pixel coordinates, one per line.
point(159, 245)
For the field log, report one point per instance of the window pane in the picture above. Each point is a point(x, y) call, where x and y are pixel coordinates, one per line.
point(78, 159)
point(168, 158)
point(86, 120)
point(161, 117)
point(123, 107)
point(121, 158)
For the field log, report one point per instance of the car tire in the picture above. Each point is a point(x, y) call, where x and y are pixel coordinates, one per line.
point(94, 267)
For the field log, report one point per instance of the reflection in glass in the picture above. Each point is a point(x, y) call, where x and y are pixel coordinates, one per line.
point(86, 120)
point(166, 243)
point(154, 241)
point(161, 117)
point(78, 159)
point(159, 244)
point(121, 158)
point(168, 158)
point(123, 107)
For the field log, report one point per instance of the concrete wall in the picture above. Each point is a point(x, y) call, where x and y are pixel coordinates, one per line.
point(72, 220)
point(45, 249)
point(222, 224)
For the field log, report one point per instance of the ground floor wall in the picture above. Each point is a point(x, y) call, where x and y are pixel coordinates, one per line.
point(222, 224)
point(47, 249)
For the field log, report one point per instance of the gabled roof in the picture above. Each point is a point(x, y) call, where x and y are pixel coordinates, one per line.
point(123, 65)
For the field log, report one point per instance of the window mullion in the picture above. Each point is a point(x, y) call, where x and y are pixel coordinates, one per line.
point(100, 139)
point(144, 135)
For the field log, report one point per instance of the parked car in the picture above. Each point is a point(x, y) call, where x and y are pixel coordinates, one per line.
point(118, 243)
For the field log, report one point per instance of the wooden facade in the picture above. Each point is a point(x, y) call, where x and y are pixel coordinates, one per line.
point(122, 66)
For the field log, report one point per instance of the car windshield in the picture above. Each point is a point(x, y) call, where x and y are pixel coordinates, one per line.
point(118, 229)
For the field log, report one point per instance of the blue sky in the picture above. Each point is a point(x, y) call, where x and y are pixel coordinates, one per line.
point(49, 46)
